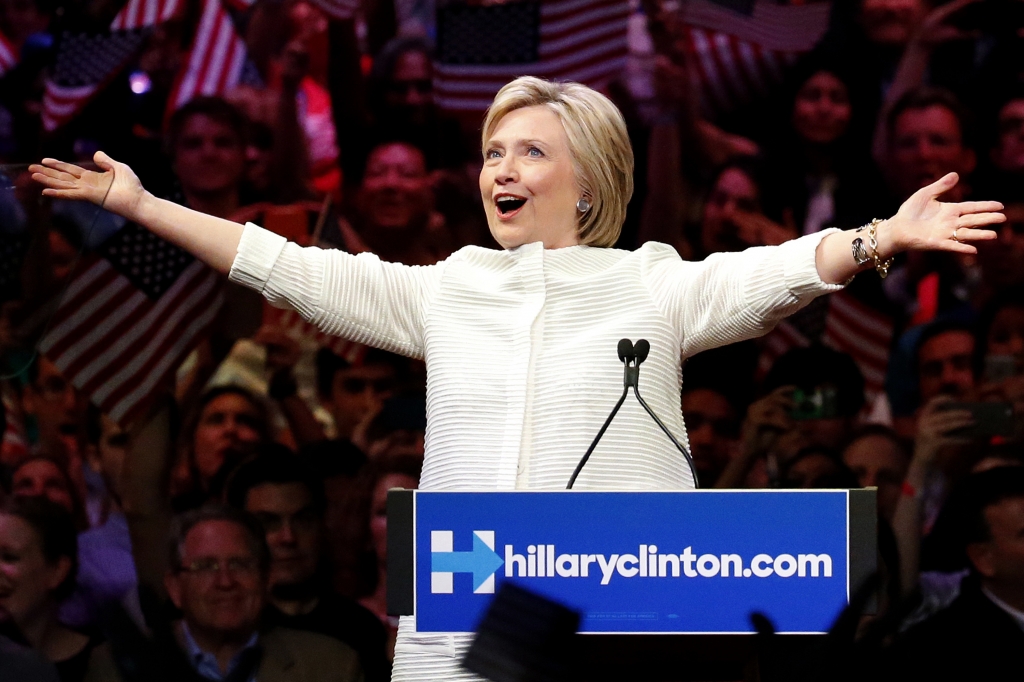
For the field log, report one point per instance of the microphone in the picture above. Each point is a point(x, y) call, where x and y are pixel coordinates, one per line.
point(635, 353)
point(642, 349)
point(626, 351)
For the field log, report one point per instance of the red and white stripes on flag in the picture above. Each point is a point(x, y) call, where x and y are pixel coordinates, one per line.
point(144, 13)
point(61, 103)
point(8, 55)
point(118, 346)
point(731, 71)
point(215, 61)
point(580, 40)
point(14, 441)
point(851, 327)
point(737, 56)
point(299, 329)
point(85, 64)
point(863, 333)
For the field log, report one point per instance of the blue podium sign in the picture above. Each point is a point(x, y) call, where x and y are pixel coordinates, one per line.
point(690, 562)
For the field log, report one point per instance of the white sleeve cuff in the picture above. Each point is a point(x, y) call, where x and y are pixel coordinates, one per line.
point(800, 268)
point(258, 251)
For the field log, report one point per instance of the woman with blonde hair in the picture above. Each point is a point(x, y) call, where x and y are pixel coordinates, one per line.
point(520, 343)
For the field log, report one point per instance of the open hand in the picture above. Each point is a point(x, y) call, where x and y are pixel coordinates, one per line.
point(117, 188)
point(924, 223)
point(936, 28)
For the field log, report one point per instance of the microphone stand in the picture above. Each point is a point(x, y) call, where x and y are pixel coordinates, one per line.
point(631, 379)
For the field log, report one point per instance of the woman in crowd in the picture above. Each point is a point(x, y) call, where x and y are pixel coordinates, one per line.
point(822, 170)
point(520, 343)
point(38, 560)
point(733, 218)
point(229, 423)
point(45, 476)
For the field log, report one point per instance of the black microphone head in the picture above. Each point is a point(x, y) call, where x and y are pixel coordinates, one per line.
point(626, 350)
point(642, 348)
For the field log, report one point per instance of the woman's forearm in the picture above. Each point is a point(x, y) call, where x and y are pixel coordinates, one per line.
point(212, 240)
point(834, 256)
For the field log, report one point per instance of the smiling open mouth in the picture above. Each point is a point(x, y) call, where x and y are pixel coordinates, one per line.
point(509, 205)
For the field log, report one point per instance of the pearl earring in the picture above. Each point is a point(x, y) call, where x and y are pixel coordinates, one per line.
point(583, 205)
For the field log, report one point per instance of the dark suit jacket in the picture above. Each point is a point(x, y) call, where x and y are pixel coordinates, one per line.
point(288, 656)
point(347, 621)
point(972, 639)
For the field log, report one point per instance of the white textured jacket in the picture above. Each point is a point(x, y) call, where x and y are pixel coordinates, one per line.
point(520, 348)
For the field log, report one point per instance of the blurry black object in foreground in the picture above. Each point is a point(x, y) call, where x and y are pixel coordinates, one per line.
point(524, 636)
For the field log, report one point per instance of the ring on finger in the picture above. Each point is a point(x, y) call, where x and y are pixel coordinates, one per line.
point(954, 237)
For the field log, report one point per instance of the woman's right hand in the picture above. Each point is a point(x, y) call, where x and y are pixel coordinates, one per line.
point(117, 189)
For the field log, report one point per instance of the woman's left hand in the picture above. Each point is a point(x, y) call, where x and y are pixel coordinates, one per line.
point(924, 223)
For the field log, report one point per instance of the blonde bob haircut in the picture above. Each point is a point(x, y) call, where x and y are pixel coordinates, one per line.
point(601, 154)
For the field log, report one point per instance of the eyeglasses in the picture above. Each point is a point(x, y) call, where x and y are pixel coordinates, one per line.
point(210, 566)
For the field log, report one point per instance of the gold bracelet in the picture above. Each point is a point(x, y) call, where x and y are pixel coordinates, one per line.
point(881, 266)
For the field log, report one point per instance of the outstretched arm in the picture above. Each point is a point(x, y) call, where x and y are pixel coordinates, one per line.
point(117, 189)
point(730, 297)
point(923, 223)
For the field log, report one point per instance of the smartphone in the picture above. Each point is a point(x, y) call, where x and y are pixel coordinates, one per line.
point(990, 419)
point(820, 403)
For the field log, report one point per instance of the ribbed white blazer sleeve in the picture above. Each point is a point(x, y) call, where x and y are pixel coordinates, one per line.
point(731, 297)
point(358, 297)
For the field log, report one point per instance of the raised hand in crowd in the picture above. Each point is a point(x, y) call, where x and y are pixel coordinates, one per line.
point(282, 354)
point(939, 434)
point(766, 421)
point(937, 28)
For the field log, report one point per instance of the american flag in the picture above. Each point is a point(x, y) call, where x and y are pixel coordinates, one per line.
point(85, 65)
point(481, 48)
point(145, 13)
point(851, 327)
point(737, 56)
point(299, 329)
point(129, 318)
point(8, 55)
point(863, 333)
point(216, 59)
point(338, 9)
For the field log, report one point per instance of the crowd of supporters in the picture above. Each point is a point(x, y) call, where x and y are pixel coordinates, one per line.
point(233, 528)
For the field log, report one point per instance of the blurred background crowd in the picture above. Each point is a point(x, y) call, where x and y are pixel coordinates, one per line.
point(194, 484)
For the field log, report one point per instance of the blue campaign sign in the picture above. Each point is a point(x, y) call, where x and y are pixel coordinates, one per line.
point(694, 562)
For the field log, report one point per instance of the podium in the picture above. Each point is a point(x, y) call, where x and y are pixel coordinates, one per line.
point(664, 578)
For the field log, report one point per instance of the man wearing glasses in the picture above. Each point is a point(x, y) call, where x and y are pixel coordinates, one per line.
point(218, 579)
